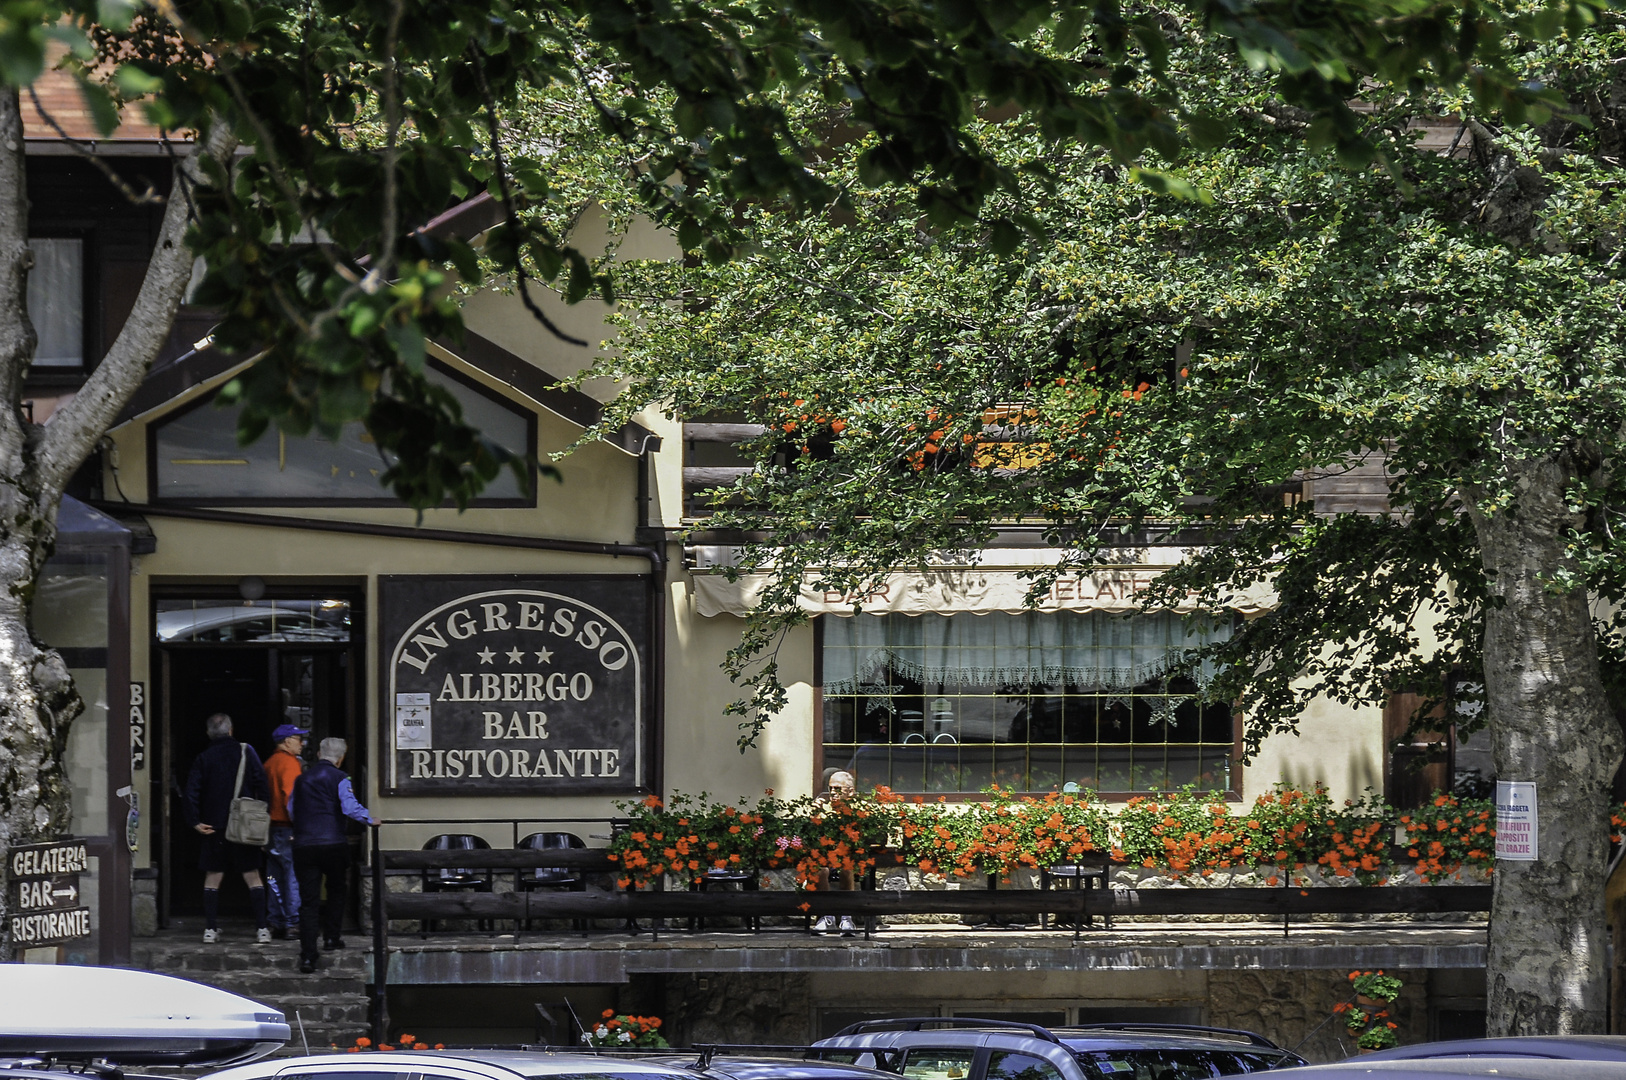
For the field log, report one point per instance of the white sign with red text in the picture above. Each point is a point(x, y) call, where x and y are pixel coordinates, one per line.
point(1515, 821)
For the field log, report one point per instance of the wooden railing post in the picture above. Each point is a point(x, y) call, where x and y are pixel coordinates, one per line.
point(381, 945)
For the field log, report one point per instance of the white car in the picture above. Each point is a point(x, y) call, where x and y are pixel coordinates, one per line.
point(54, 1014)
point(454, 1065)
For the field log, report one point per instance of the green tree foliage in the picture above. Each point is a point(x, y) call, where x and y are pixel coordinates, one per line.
point(366, 119)
point(1180, 365)
point(1142, 367)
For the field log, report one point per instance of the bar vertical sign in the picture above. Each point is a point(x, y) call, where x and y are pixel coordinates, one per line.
point(1515, 821)
point(138, 726)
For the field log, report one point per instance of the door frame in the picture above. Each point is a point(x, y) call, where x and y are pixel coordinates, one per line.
point(355, 727)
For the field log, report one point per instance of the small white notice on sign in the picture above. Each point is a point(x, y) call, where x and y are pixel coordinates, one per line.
point(1515, 821)
point(412, 731)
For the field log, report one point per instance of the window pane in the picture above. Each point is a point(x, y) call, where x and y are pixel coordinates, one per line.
point(1008, 1066)
point(1030, 701)
point(346, 1074)
point(198, 456)
point(56, 303)
point(256, 620)
point(70, 602)
point(937, 1064)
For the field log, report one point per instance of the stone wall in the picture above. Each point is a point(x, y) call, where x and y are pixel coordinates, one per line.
point(1295, 1008)
point(1292, 1008)
point(144, 903)
point(767, 1007)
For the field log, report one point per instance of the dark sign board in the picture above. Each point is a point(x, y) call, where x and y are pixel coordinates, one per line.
point(514, 685)
point(43, 893)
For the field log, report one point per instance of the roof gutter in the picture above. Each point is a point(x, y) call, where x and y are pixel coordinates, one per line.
point(655, 554)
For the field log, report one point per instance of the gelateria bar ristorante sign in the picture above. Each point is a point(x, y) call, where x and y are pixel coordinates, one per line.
point(514, 686)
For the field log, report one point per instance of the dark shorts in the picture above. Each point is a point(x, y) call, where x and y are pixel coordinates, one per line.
point(218, 856)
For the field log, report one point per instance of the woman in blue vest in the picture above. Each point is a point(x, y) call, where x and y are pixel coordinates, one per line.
point(321, 801)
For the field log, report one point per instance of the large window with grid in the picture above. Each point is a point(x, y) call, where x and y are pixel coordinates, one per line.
point(1030, 701)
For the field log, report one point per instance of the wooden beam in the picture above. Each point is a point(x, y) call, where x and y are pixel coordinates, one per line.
point(710, 476)
point(723, 433)
point(591, 860)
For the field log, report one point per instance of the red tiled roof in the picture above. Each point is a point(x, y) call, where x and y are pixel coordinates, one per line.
point(60, 96)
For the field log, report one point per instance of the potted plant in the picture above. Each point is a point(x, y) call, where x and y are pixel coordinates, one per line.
point(1378, 1037)
point(1374, 989)
point(618, 1031)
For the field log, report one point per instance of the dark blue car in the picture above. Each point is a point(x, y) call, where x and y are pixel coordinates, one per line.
point(1567, 1047)
point(962, 1048)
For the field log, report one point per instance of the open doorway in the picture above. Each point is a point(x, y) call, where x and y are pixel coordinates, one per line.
point(285, 659)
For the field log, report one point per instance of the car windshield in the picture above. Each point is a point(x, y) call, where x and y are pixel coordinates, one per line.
point(1148, 1064)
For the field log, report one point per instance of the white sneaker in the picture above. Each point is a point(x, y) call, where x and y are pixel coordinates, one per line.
point(825, 924)
point(262, 936)
point(211, 936)
point(848, 928)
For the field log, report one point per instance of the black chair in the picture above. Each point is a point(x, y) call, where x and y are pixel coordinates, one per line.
point(551, 877)
point(450, 879)
point(722, 879)
point(1074, 876)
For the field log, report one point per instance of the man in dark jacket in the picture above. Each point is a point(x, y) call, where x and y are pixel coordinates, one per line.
point(321, 802)
point(209, 791)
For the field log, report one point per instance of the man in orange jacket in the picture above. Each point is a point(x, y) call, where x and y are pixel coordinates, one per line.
point(282, 768)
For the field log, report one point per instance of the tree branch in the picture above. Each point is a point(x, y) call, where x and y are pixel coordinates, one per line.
point(75, 428)
point(392, 120)
point(17, 338)
point(499, 159)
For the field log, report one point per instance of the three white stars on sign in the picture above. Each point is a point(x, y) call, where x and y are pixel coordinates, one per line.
point(516, 655)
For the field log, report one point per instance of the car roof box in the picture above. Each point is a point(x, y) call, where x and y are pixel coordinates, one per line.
point(130, 1018)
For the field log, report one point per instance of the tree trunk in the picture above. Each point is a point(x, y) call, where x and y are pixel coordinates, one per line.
point(38, 701)
point(1550, 725)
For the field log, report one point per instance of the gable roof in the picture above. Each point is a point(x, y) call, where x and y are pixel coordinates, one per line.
point(199, 366)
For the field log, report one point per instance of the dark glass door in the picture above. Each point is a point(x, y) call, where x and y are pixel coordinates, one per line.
point(260, 687)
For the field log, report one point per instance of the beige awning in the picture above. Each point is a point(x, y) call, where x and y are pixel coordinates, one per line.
point(963, 591)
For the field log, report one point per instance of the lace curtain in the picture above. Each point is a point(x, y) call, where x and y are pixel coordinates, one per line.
point(56, 301)
point(1099, 651)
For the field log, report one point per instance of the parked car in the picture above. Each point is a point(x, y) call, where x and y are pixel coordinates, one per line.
point(455, 1065)
point(551, 1063)
point(791, 1063)
point(1502, 1067)
point(1568, 1047)
point(964, 1048)
point(51, 1013)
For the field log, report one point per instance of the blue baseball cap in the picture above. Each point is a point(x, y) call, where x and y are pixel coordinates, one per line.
point(286, 730)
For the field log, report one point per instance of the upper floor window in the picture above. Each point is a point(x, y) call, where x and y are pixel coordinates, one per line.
point(56, 301)
point(195, 456)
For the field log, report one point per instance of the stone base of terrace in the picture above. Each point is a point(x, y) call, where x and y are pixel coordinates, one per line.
point(572, 957)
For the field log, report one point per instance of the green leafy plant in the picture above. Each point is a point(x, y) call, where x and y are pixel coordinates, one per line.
point(1004, 834)
point(1375, 985)
point(1359, 841)
point(1187, 831)
point(1287, 827)
point(1451, 833)
point(621, 1030)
